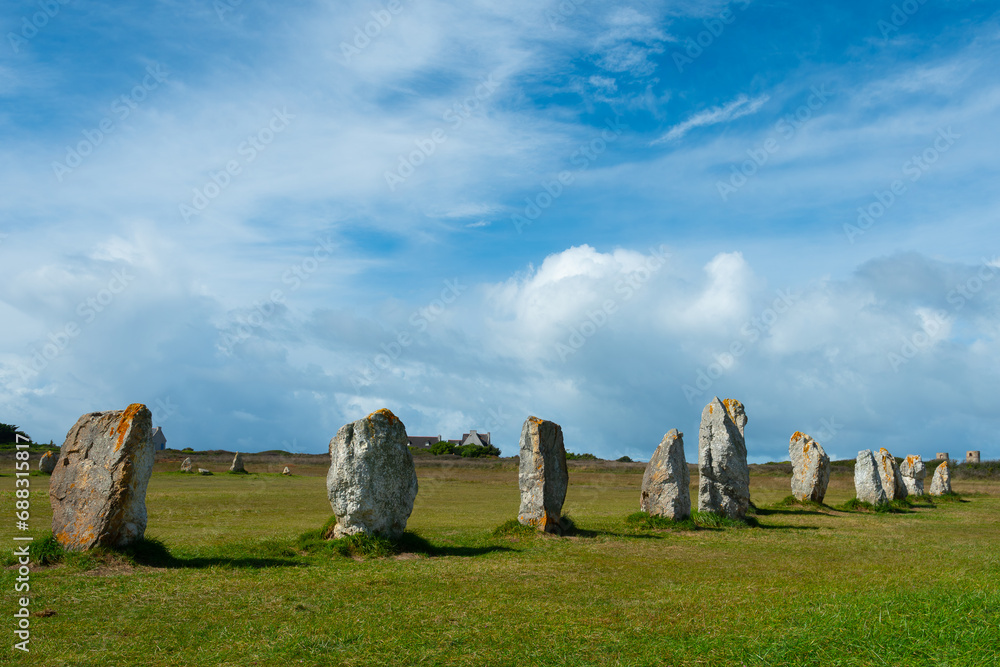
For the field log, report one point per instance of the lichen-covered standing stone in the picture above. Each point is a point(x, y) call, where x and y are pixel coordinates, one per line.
point(186, 465)
point(98, 488)
point(665, 483)
point(941, 482)
point(286, 471)
point(542, 475)
point(888, 471)
point(237, 465)
point(372, 483)
point(913, 472)
point(810, 468)
point(867, 481)
point(723, 473)
point(47, 463)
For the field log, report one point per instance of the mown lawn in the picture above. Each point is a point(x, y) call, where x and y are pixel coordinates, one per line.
point(806, 587)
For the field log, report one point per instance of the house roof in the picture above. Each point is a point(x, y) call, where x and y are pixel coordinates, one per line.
point(158, 438)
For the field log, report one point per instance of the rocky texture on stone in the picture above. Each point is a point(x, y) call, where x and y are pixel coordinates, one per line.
point(237, 465)
point(941, 482)
point(47, 463)
point(810, 468)
point(913, 472)
point(867, 481)
point(723, 473)
point(542, 475)
point(665, 484)
point(186, 465)
point(372, 483)
point(286, 471)
point(888, 471)
point(98, 488)
point(203, 471)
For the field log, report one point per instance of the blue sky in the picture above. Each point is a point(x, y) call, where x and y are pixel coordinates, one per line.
point(267, 219)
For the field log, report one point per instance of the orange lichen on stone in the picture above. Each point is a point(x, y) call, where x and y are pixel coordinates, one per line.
point(125, 422)
point(796, 436)
point(385, 412)
point(731, 404)
point(535, 420)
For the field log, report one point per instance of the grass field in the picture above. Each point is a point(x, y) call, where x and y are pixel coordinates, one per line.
point(806, 587)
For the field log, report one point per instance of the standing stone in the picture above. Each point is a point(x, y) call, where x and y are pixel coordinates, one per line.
point(186, 465)
point(237, 465)
point(203, 471)
point(542, 475)
point(372, 483)
point(286, 471)
point(810, 468)
point(47, 463)
point(913, 472)
point(723, 474)
point(941, 482)
point(867, 481)
point(665, 484)
point(98, 489)
point(888, 471)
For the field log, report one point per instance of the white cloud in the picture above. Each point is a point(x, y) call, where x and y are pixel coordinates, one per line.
point(737, 108)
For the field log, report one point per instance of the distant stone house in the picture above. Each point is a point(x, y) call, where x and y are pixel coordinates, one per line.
point(474, 438)
point(423, 441)
point(159, 440)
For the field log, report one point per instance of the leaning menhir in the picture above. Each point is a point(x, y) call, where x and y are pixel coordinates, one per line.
point(913, 472)
point(724, 477)
point(372, 483)
point(47, 463)
point(888, 471)
point(98, 488)
point(810, 468)
point(665, 483)
point(542, 475)
point(867, 481)
point(941, 482)
point(186, 465)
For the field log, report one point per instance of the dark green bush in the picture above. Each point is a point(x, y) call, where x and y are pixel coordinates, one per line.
point(570, 456)
point(624, 459)
point(442, 447)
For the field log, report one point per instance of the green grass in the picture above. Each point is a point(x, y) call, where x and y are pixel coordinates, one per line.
point(236, 570)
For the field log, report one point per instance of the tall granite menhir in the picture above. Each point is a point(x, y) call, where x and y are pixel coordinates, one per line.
point(98, 487)
point(724, 477)
point(810, 468)
point(372, 483)
point(542, 475)
point(888, 470)
point(665, 483)
point(867, 481)
point(913, 472)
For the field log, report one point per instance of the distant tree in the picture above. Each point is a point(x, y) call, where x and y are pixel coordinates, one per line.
point(442, 447)
point(478, 451)
point(9, 433)
point(624, 459)
point(570, 456)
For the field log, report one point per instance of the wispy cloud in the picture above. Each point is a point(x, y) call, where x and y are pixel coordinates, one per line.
point(741, 106)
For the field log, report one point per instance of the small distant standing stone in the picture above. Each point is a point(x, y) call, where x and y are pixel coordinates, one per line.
point(867, 481)
point(286, 471)
point(665, 484)
point(372, 482)
point(237, 465)
point(186, 465)
point(47, 463)
point(913, 472)
point(203, 471)
point(723, 473)
point(810, 468)
point(941, 482)
point(542, 475)
point(892, 481)
point(98, 488)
